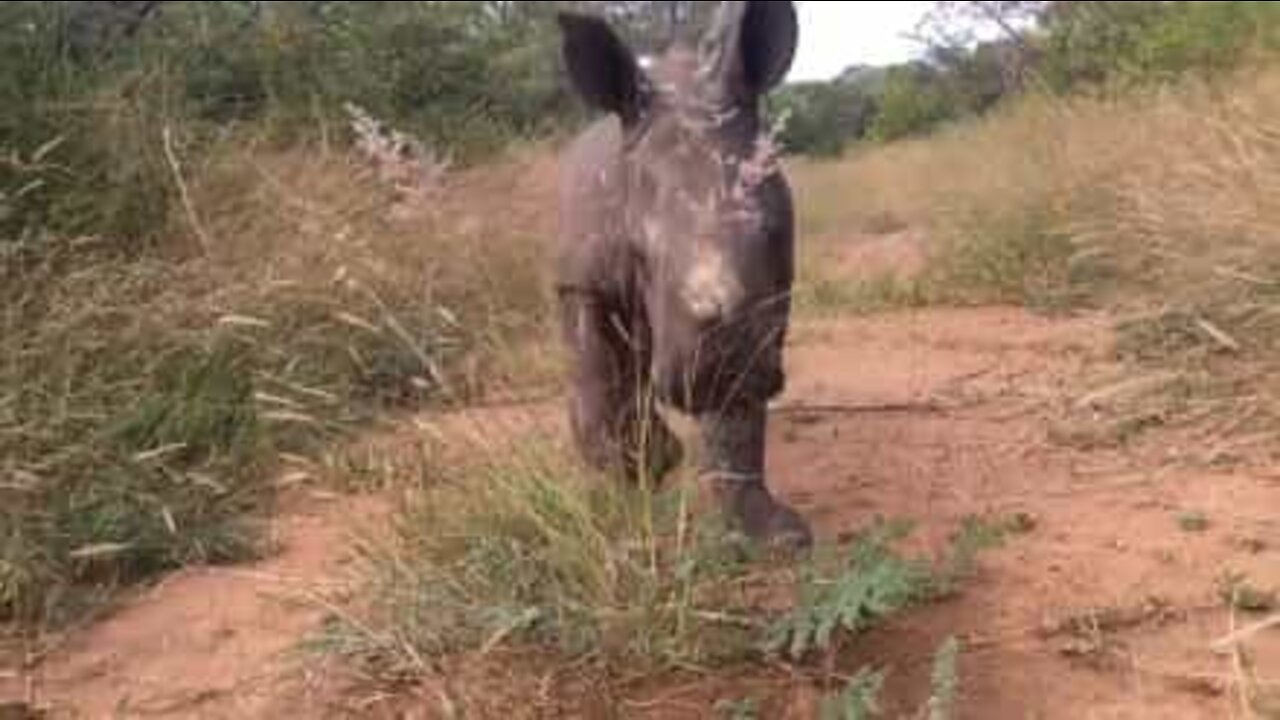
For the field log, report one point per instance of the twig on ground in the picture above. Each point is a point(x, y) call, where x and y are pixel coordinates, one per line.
point(1242, 679)
point(184, 193)
point(1237, 637)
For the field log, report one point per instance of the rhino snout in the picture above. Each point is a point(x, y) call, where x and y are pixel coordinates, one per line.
point(711, 290)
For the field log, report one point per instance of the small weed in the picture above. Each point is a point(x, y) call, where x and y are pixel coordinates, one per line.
point(977, 534)
point(1239, 592)
point(1193, 521)
point(860, 697)
point(870, 583)
point(859, 700)
point(744, 709)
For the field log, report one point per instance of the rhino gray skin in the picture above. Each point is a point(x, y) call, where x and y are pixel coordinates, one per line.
point(676, 255)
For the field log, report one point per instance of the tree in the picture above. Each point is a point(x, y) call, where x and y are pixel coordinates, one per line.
point(965, 27)
point(822, 117)
point(981, 77)
point(916, 99)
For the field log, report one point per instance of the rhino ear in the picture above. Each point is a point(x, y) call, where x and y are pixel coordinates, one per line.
point(751, 46)
point(602, 69)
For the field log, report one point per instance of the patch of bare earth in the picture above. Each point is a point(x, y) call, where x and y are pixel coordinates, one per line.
point(1107, 606)
point(205, 642)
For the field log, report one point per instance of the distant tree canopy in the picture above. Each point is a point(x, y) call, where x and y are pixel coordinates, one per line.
point(1063, 46)
point(819, 117)
point(104, 78)
point(92, 85)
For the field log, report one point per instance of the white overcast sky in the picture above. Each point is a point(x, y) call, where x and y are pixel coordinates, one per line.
point(835, 35)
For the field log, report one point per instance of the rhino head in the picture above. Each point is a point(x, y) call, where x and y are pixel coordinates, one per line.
point(704, 206)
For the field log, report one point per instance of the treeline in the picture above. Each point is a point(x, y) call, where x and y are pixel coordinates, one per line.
point(90, 90)
point(1056, 47)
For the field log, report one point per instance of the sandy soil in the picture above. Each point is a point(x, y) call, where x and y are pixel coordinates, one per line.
point(1106, 608)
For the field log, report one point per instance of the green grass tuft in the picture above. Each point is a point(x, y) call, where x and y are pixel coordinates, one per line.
point(519, 549)
point(529, 549)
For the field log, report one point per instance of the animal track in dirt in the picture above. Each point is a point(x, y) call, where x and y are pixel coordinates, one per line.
point(1103, 608)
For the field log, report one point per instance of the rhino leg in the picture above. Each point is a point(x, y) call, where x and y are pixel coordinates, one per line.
point(733, 465)
point(612, 408)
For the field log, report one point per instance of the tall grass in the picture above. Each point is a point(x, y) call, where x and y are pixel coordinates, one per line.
point(1160, 205)
point(1173, 183)
point(199, 270)
point(145, 397)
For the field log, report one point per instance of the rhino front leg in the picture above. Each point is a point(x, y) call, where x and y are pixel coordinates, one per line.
point(733, 465)
point(612, 411)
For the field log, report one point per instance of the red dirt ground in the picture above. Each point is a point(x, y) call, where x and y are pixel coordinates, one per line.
point(1105, 609)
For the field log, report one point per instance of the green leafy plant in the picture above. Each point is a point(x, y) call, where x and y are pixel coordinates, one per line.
point(869, 583)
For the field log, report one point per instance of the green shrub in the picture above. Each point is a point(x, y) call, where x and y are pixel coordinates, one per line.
point(914, 102)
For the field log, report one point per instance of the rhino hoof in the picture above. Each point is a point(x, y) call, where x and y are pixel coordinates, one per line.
point(765, 520)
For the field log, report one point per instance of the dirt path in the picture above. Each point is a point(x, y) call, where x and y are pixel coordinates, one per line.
point(1106, 608)
point(210, 642)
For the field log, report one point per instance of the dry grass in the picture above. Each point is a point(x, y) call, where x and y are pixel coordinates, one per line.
point(1160, 206)
point(506, 556)
point(988, 196)
point(449, 276)
point(520, 545)
point(144, 398)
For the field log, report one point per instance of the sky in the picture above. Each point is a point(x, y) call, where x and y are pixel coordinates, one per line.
point(835, 35)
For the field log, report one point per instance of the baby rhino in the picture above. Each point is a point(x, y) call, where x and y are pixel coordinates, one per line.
point(676, 258)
